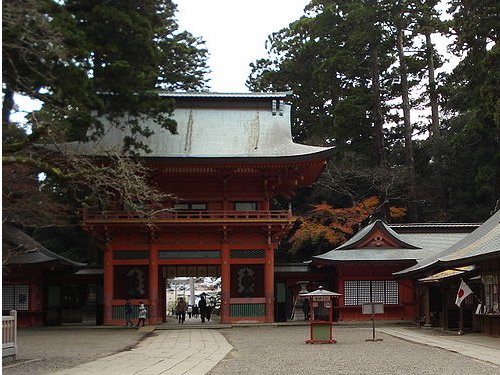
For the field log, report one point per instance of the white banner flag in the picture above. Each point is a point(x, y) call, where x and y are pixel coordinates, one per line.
point(463, 292)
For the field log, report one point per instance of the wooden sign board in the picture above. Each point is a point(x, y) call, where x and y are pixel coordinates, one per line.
point(372, 308)
point(321, 298)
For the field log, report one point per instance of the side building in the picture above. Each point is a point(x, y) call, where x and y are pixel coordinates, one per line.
point(475, 259)
point(231, 156)
point(362, 269)
point(45, 288)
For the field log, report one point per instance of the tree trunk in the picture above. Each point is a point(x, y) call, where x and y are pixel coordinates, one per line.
point(434, 128)
point(378, 120)
point(8, 104)
point(408, 130)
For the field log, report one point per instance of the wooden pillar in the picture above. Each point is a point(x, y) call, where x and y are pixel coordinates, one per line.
point(225, 282)
point(341, 289)
point(153, 284)
point(269, 282)
point(427, 306)
point(108, 285)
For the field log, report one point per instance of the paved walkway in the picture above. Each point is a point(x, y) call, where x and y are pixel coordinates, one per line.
point(196, 351)
point(166, 352)
point(472, 345)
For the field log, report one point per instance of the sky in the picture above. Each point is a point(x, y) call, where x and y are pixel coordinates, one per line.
point(235, 33)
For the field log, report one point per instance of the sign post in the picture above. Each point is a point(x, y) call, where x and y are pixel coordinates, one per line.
point(373, 308)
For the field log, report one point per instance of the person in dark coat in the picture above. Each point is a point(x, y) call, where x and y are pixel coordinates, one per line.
point(128, 314)
point(181, 308)
point(306, 308)
point(202, 306)
point(209, 312)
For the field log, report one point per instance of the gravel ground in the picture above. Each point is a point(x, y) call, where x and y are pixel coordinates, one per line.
point(44, 351)
point(282, 350)
point(257, 350)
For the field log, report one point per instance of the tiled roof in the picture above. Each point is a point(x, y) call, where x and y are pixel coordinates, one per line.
point(432, 243)
point(206, 132)
point(414, 246)
point(485, 240)
point(349, 251)
point(29, 251)
point(370, 255)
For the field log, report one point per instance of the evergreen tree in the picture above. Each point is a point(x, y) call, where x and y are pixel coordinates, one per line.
point(81, 58)
point(472, 109)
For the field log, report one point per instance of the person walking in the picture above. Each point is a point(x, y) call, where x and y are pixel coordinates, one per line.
point(202, 305)
point(143, 313)
point(128, 314)
point(306, 308)
point(209, 312)
point(181, 308)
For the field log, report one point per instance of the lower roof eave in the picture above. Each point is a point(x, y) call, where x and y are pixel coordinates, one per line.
point(324, 154)
point(473, 259)
point(326, 262)
point(418, 271)
point(244, 159)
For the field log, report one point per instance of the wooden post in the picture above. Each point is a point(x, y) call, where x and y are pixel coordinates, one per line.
point(13, 314)
point(108, 285)
point(225, 283)
point(461, 321)
point(153, 284)
point(269, 283)
point(427, 307)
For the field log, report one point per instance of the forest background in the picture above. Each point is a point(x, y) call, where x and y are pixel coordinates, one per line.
point(359, 71)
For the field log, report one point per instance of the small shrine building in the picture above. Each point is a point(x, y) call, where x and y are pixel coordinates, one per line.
point(231, 156)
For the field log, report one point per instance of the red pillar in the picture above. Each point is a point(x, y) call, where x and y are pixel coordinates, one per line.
point(225, 283)
point(108, 285)
point(269, 283)
point(154, 316)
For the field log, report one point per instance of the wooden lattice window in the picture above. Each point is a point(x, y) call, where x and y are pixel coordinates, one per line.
point(357, 292)
point(15, 297)
point(190, 206)
point(245, 206)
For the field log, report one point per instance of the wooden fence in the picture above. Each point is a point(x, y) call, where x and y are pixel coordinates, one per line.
point(9, 335)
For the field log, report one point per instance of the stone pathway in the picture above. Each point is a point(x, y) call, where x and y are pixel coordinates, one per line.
point(167, 352)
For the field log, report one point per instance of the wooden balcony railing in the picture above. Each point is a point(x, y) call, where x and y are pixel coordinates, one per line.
point(188, 216)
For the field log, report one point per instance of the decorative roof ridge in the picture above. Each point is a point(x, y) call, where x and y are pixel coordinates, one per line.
point(365, 232)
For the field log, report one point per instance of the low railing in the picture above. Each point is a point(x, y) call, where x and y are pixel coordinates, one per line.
point(9, 335)
point(188, 215)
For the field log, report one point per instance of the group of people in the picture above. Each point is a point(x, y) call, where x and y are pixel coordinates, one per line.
point(203, 309)
point(143, 314)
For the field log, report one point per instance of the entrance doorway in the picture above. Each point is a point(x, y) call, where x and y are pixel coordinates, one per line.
point(189, 282)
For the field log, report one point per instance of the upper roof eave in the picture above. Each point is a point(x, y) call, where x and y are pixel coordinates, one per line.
point(218, 95)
